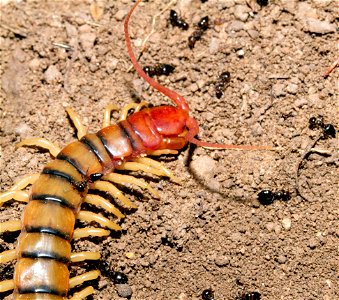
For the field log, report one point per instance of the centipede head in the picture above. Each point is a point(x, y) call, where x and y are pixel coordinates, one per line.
point(192, 126)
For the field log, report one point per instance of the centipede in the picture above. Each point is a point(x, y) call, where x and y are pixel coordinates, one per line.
point(54, 197)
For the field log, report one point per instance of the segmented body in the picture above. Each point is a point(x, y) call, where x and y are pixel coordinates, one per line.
point(44, 243)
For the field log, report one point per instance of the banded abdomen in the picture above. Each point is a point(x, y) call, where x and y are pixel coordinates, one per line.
point(48, 220)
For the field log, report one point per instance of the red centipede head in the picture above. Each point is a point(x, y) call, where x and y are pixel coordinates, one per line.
point(190, 123)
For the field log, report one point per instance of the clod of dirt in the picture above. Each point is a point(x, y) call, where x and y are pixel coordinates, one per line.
point(320, 27)
point(124, 290)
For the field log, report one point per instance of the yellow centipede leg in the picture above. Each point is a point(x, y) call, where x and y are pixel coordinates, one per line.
point(81, 256)
point(25, 181)
point(89, 231)
point(113, 191)
point(6, 285)
point(126, 179)
point(129, 106)
point(107, 114)
point(20, 196)
point(77, 280)
point(81, 130)
point(157, 165)
point(103, 203)
point(163, 152)
point(10, 226)
point(42, 143)
point(83, 293)
point(7, 256)
point(88, 216)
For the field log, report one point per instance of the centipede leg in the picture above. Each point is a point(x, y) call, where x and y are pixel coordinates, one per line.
point(129, 106)
point(7, 256)
point(163, 152)
point(6, 285)
point(103, 203)
point(89, 231)
point(81, 256)
point(10, 226)
point(77, 280)
point(107, 114)
point(149, 166)
point(83, 293)
point(20, 196)
point(81, 130)
point(42, 143)
point(88, 216)
point(24, 182)
point(114, 192)
point(126, 179)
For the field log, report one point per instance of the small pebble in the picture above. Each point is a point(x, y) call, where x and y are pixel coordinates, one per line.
point(52, 74)
point(292, 88)
point(270, 226)
point(120, 15)
point(124, 290)
point(286, 223)
point(278, 90)
point(320, 27)
point(241, 53)
point(312, 243)
point(222, 261)
point(281, 259)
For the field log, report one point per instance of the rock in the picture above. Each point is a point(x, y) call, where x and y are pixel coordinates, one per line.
point(204, 167)
point(292, 88)
point(241, 12)
point(312, 243)
point(52, 74)
point(120, 15)
point(281, 259)
point(235, 26)
point(124, 290)
point(278, 90)
point(222, 261)
point(321, 27)
point(286, 223)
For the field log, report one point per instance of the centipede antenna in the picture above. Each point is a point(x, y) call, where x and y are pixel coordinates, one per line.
point(175, 97)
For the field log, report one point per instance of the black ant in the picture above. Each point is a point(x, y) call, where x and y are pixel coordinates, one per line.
point(196, 35)
point(267, 197)
point(176, 21)
point(207, 294)
point(157, 70)
point(262, 2)
point(318, 123)
point(223, 79)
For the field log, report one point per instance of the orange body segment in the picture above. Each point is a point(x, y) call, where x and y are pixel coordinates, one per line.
point(41, 276)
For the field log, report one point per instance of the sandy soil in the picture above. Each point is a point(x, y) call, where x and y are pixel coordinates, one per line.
point(210, 231)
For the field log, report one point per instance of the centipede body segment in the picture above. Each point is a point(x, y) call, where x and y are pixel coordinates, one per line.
point(43, 251)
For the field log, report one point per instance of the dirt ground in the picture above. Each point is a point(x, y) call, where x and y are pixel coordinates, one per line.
point(210, 231)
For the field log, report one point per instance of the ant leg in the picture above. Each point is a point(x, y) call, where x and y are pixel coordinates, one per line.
point(81, 130)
